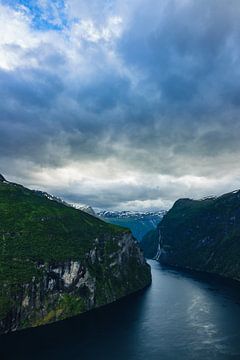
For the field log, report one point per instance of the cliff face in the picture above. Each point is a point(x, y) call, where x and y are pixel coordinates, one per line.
point(203, 235)
point(57, 262)
point(150, 243)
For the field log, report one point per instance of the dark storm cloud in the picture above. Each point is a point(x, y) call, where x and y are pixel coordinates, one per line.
point(191, 56)
point(167, 104)
point(114, 196)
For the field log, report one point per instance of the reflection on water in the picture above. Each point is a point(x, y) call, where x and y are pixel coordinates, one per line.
point(181, 316)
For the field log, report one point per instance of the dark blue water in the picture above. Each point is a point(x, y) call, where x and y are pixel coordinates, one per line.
point(181, 316)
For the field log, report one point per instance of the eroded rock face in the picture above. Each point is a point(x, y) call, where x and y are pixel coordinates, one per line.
point(203, 235)
point(113, 268)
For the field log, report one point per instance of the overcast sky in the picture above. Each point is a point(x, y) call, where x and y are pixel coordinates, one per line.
point(121, 104)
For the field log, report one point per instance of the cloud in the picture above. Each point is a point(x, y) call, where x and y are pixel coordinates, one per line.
point(138, 102)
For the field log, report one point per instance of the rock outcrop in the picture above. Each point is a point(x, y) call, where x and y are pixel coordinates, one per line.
point(57, 262)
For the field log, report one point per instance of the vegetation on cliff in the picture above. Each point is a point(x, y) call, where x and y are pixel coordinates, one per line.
point(203, 235)
point(56, 261)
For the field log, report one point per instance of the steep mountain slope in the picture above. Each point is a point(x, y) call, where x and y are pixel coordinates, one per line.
point(203, 235)
point(139, 223)
point(56, 261)
point(149, 243)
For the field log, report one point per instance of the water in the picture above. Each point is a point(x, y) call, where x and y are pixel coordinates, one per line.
point(182, 316)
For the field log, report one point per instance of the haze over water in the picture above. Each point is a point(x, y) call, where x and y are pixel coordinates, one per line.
point(181, 316)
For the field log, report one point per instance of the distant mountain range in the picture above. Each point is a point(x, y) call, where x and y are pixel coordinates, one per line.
point(140, 223)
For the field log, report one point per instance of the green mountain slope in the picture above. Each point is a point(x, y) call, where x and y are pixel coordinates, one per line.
point(203, 235)
point(56, 261)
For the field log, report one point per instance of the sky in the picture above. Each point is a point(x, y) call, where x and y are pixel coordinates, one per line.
point(125, 105)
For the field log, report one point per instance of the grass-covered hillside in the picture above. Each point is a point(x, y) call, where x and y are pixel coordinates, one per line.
point(34, 228)
point(48, 250)
point(203, 235)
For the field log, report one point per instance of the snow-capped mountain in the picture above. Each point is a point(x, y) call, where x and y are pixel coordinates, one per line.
point(51, 197)
point(129, 214)
point(138, 222)
point(86, 208)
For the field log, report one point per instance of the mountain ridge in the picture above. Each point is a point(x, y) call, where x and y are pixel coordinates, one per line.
point(2, 179)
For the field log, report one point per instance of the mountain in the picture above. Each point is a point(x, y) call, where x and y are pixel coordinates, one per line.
point(203, 235)
point(138, 222)
point(86, 208)
point(51, 197)
point(57, 262)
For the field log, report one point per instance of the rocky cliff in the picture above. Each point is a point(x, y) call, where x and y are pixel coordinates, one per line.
point(57, 262)
point(203, 235)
